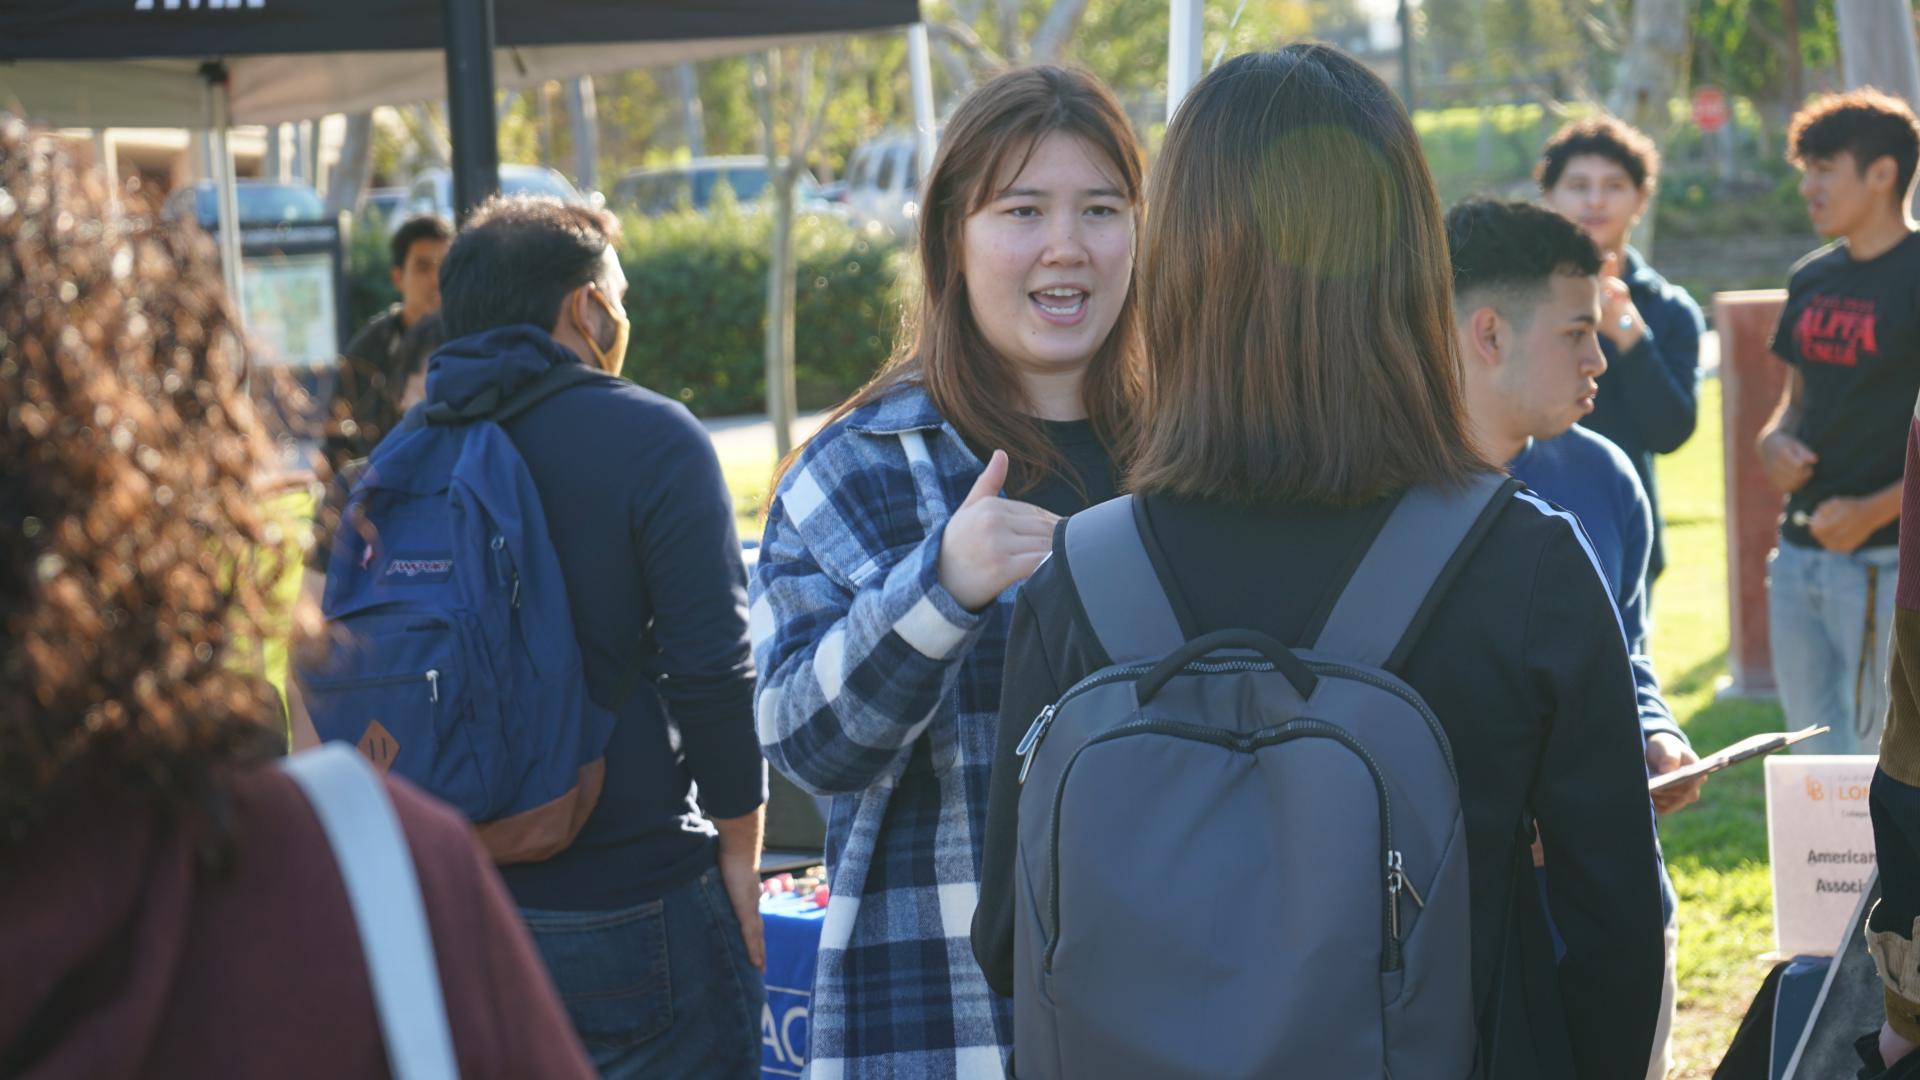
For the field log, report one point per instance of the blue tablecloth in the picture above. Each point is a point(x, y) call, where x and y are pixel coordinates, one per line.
point(793, 940)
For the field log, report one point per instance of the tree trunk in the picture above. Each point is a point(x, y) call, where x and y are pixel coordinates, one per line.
point(428, 136)
point(1063, 18)
point(310, 131)
point(693, 119)
point(545, 127)
point(781, 299)
point(1877, 46)
point(301, 169)
point(355, 167)
point(583, 112)
point(784, 82)
point(1796, 66)
point(1653, 70)
point(1007, 24)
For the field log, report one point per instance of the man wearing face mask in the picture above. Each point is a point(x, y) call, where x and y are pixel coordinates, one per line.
point(649, 922)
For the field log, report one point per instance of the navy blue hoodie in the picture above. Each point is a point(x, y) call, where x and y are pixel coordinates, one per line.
point(642, 524)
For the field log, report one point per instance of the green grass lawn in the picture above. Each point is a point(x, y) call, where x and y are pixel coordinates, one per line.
point(1717, 848)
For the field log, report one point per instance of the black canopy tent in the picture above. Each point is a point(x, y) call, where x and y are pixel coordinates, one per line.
point(215, 63)
point(90, 63)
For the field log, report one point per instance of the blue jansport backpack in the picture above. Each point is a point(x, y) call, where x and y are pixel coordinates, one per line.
point(454, 662)
point(1296, 814)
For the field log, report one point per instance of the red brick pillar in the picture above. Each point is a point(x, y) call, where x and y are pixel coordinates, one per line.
point(1750, 382)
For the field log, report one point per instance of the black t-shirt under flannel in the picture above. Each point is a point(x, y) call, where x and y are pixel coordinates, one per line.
point(1852, 328)
point(1092, 465)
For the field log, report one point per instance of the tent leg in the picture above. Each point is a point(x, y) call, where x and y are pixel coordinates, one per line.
point(1183, 50)
point(228, 201)
point(920, 74)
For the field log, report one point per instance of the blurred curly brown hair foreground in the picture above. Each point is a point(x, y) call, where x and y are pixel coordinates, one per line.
point(133, 558)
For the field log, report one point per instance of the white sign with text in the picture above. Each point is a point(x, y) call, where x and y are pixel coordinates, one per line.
point(1820, 840)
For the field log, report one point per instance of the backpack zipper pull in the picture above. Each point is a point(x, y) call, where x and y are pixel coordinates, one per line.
point(433, 684)
point(1394, 880)
point(1398, 881)
point(1031, 740)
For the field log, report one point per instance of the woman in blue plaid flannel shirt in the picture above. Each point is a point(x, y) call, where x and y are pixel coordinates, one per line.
point(885, 581)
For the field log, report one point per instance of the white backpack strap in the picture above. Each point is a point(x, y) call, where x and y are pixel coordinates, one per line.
point(377, 869)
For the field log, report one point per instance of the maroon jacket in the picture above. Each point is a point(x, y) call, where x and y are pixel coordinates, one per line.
point(120, 957)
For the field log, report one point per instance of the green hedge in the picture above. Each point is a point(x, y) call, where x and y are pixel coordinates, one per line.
point(697, 287)
point(1492, 152)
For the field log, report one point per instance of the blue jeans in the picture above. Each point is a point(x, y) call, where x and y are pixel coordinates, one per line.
point(1830, 622)
point(663, 990)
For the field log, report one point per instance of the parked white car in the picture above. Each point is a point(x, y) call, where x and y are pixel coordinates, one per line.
point(883, 182)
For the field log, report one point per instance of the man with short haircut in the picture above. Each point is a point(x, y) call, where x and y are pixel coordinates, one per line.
point(372, 371)
point(1601, 174)
point(649, 922)
point(1850, 332)
point(1527, 299)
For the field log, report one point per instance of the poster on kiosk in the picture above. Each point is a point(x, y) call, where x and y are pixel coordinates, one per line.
point(1820, 840)
point(293, 285)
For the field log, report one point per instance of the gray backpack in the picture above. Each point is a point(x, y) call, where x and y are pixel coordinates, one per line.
point(1240, 860)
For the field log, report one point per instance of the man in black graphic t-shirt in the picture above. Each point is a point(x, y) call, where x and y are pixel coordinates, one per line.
point(1837, 445)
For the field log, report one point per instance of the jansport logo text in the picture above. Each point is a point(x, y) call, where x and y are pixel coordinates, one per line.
point(418, 567)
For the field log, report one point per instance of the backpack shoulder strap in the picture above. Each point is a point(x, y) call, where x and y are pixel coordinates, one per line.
point(1124, 599)
point(1423, 546)
point(490, 404)
point(377, 869)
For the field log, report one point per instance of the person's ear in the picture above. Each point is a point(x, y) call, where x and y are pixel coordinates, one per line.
point(1646, 201)
point(1881, 174)
point(1486, 334)
point(399, 272)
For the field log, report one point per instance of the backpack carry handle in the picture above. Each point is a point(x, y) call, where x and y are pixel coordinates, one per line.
point(1296, 671)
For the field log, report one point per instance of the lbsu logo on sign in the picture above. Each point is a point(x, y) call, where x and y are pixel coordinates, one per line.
point(196, 5)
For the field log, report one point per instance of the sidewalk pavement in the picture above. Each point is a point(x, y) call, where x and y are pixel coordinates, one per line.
point(742, 439)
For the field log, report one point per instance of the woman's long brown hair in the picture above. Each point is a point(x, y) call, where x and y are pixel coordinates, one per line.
point(1297, 293)
point(990, 137)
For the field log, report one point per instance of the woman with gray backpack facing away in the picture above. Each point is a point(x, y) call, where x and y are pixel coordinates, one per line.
point(1278, 726)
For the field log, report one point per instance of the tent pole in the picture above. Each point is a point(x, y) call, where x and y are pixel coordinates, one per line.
point(920, 73)
point(108, 158)
point(227, 203)
point(1183, 50)
point(470, 116)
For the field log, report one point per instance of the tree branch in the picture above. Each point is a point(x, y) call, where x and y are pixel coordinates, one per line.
point(963, 38)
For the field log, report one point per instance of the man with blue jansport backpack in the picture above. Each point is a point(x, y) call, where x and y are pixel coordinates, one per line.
point(539, 611)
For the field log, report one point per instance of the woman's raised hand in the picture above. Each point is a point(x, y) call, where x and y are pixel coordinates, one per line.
point(992, 543)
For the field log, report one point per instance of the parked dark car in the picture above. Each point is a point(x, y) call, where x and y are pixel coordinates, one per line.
point(261, 202)
point(652, 192)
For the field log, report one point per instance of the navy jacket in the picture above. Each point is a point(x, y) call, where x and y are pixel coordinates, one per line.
point(1649, 397)
point(1591, 478)
point(643, 527)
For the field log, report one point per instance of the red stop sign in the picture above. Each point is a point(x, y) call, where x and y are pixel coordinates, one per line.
point(1710, 109)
